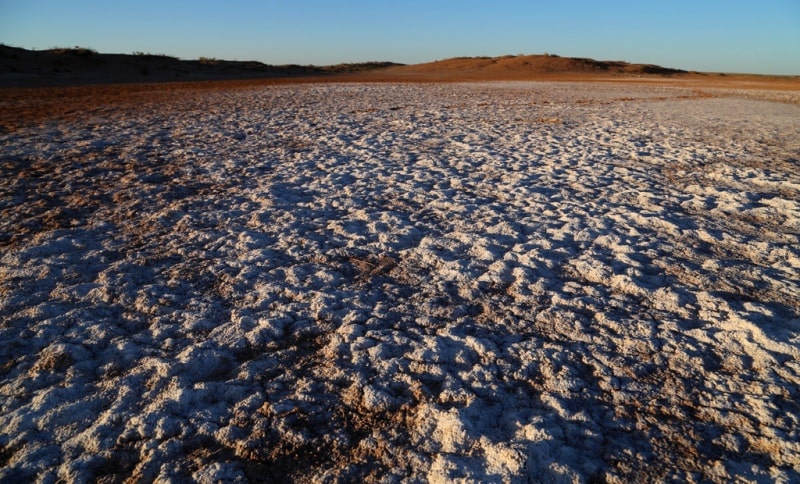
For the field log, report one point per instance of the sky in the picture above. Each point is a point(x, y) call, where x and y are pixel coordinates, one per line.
point(747, 36)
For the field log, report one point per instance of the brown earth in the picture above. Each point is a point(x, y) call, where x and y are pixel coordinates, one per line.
point(86, 84)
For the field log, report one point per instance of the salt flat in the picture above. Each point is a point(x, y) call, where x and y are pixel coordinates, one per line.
point(498, 282)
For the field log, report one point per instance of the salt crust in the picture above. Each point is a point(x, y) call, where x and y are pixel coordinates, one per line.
point(491, 282)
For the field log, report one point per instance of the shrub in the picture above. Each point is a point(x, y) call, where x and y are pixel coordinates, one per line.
point(77, 51)
point(148, 55)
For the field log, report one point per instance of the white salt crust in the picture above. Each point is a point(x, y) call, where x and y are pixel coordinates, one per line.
point(499, 282)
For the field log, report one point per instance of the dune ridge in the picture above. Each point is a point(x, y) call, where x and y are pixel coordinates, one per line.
point(77, 65)
point(524, 66)
point(81, 66)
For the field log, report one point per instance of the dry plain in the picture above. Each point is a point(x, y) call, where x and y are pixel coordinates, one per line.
point(566, 280)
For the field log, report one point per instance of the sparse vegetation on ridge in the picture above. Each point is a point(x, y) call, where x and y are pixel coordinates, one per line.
point(77, 50)
point(80, 65)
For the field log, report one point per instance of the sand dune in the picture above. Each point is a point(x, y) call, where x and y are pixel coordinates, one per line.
point(524, 67)
point(554, 68)
point(77, 66)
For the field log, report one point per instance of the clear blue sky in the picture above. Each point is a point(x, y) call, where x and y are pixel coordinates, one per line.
point(761, 36)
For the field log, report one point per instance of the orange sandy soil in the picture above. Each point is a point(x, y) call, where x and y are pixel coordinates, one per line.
point(21, 106)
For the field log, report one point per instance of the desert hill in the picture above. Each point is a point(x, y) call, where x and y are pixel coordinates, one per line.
point(67, 66)
point(81, 66)
point(523, 67)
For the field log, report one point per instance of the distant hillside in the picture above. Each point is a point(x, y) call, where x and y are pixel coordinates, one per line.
point(73, 66)
point(523, 67)
point(67, 66)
